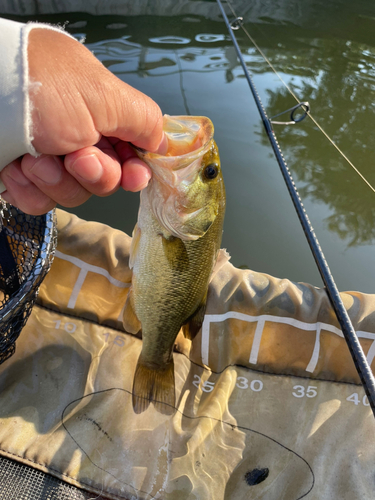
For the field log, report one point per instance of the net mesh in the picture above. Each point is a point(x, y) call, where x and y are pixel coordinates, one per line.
point(20, 482)
point(27, 245)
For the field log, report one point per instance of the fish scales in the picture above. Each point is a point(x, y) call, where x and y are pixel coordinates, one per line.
point(172, 258)
point(181, 285)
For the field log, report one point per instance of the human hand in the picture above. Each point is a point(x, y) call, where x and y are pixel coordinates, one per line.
point(83, 119)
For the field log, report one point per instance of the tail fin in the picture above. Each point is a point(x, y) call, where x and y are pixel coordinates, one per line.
point(156, 386)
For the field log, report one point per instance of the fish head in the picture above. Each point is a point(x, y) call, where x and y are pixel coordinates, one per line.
point(186, 192)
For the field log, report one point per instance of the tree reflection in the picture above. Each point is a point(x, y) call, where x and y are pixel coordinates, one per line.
point(336, 76)
point(342, 101)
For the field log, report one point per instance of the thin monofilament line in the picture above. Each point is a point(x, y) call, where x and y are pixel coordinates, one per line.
point(362, 366)
point(296, 98)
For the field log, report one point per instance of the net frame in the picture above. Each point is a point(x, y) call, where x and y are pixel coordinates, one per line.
point(31, 242)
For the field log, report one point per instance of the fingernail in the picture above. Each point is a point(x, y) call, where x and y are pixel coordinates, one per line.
point(48, 170)
point(15, 174)
point(163, 146)
point(136, 175)
point(87, 168)
point(143, 184)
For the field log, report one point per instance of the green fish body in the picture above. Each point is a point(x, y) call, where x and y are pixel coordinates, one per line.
point(174, 249)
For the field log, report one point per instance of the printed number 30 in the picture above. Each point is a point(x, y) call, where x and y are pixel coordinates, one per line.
point(300, 391)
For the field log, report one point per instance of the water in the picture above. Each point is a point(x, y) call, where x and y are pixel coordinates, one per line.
point(326, 52)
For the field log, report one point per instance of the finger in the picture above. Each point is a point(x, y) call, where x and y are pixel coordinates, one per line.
point(96, 168)
point(125, 149)
point(135, 172)
point(131, 115)
point(135, 175)
point(163, 146)
point(48, 174)
point(86, 99)
point(22, 193)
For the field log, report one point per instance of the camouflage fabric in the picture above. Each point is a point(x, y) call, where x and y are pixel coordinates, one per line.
point(269, 405)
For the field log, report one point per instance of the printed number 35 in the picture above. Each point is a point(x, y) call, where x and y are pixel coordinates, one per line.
point(301, 391)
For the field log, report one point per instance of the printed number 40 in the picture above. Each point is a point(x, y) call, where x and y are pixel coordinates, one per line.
point(354, 398)
point(300, 391)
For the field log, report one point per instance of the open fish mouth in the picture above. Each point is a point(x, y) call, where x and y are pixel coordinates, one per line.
point(187, 135)
point(189, 138)
point(175, 204)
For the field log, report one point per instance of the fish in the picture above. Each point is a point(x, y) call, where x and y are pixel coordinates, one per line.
point(174, 248)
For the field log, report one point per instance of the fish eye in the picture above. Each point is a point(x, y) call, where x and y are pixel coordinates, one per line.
point(211, 171)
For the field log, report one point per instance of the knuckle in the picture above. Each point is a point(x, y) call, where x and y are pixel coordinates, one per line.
point(37, 205)
point(72, 196)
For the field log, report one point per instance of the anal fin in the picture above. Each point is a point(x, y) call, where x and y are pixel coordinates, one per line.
point(154, 386)
point(194, 323)
point(130, 320)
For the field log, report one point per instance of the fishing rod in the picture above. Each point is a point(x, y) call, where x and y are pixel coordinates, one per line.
point(360, 361)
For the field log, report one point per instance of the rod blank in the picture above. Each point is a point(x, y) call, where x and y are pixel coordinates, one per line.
point(360, 361)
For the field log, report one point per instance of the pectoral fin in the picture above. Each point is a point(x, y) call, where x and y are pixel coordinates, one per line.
point(130, 321)
point(176, 254)
point(154, 386)
point(194, 323)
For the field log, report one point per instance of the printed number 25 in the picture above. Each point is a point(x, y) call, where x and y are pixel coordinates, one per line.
point(207, 386)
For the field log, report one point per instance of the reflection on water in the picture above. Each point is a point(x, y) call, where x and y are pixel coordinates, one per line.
point(170, 39)
point(325, 52)
point(336, 76)
point(324, 176)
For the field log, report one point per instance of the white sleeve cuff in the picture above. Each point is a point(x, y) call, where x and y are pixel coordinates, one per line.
point(15, 109)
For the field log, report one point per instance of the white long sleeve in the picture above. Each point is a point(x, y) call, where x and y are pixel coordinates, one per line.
point(15, 111)
point(14, 140)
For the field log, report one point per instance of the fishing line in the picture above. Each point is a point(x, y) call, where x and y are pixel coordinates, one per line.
point(240, 25)
point(360, 361)
point(182, 84)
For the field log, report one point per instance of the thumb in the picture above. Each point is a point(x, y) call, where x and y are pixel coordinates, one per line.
point(130, 115)
point(79, 100)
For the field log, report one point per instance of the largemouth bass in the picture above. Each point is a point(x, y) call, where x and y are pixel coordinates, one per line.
point(175, 246)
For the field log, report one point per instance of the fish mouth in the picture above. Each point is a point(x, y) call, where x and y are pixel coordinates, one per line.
point(189, 138)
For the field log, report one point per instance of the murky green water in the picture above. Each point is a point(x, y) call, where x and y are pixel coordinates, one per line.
point(326, 52)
